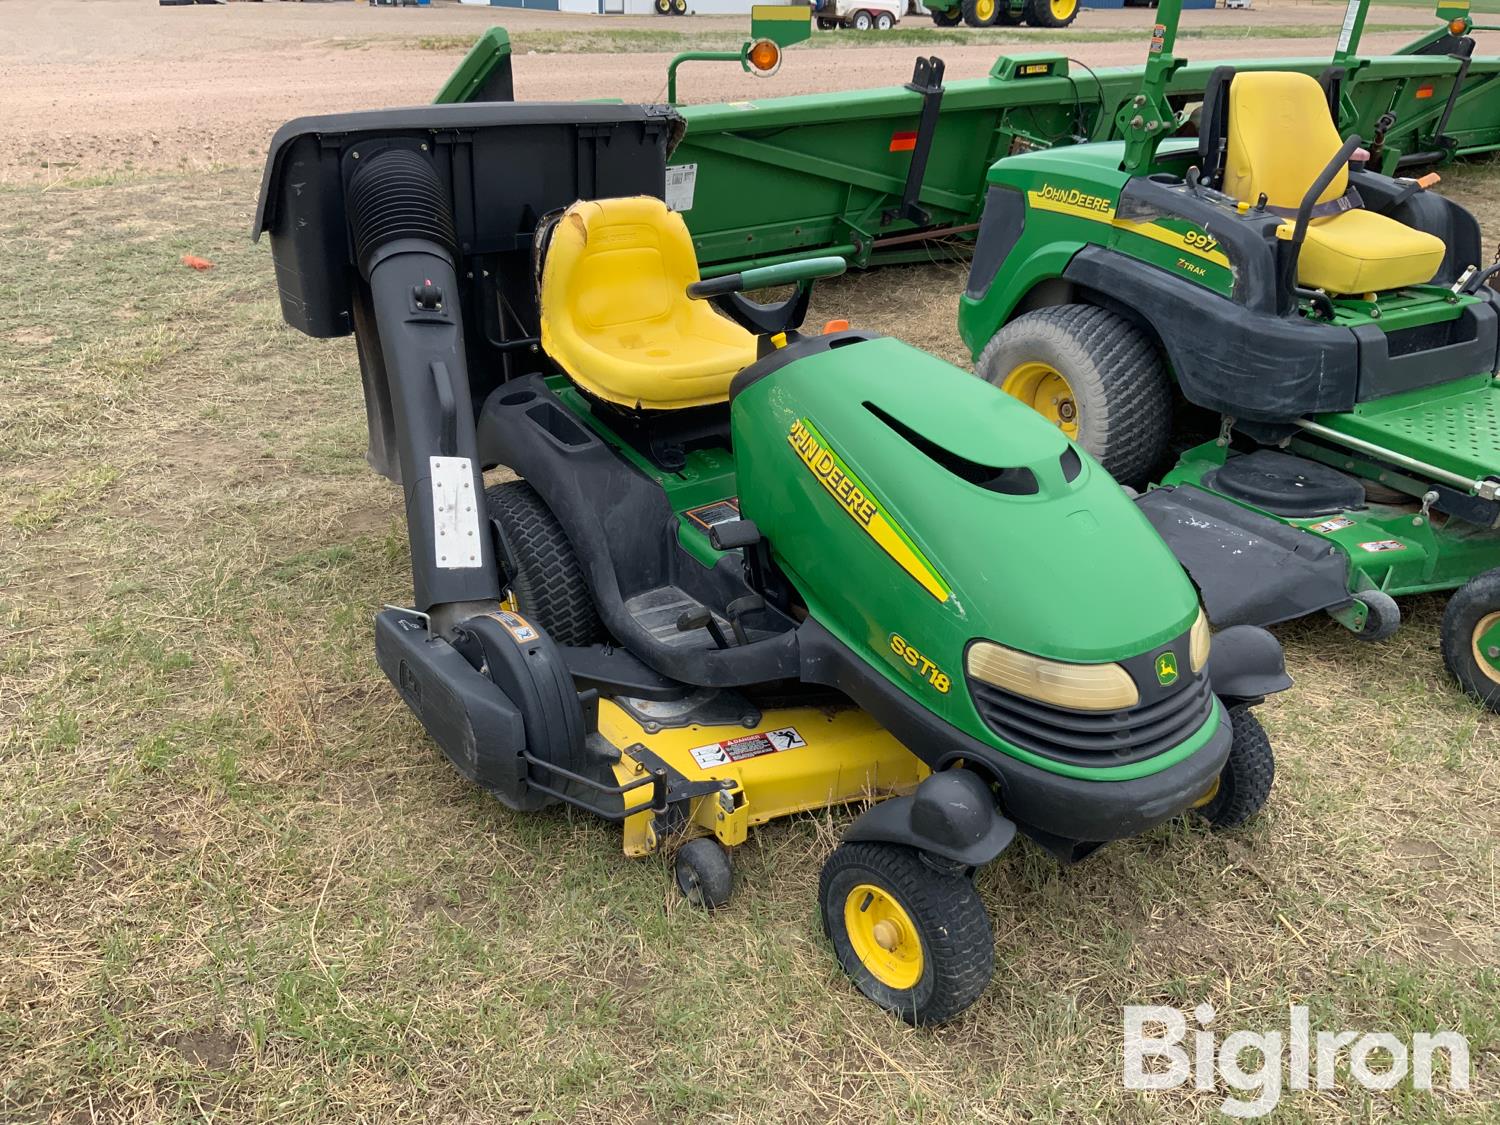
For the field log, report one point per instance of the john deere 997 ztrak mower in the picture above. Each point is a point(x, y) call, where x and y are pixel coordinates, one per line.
point(746, 573)
point(1328, 330)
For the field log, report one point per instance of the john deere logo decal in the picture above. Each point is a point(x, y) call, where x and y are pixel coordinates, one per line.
point(1166, 669)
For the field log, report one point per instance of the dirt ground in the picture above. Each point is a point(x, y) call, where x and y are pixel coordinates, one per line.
point(98, 85)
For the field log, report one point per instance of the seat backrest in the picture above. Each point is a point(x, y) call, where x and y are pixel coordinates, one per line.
point(1281, 135)
point(617, 262)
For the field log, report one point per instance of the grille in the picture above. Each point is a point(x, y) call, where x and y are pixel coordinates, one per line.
point(1094, 739)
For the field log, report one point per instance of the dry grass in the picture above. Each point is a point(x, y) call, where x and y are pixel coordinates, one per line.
point(238, 883)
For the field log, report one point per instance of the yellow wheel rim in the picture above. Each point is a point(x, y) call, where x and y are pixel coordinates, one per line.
point(1213, 791)
point(883, 936)
point(984, 10)
point(1062, 9)
point(1482, 658)
point(1043, 388)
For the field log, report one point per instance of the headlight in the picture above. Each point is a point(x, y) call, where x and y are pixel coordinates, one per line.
point(1086, 687)
point(1198, 643)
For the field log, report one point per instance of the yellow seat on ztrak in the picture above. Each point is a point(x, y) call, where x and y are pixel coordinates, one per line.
point(1281, 136)
point(616, 315)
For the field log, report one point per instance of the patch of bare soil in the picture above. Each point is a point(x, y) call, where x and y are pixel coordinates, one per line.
point(98, 86)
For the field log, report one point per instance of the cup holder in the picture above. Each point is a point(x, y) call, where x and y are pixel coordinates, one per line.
point(1165, 178)
point(517, 398)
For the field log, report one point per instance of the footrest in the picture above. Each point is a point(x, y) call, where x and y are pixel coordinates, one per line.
point(1250, 569)
point(657, 612)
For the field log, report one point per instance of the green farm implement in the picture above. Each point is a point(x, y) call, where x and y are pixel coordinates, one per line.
point(872, 175)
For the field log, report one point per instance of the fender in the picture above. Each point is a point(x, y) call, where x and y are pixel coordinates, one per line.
point(1245, 665)
point(952, 815)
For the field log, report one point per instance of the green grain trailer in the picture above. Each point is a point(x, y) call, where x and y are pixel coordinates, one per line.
point(880, 174)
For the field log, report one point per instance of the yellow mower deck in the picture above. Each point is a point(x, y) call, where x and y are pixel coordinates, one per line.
point(796, 759)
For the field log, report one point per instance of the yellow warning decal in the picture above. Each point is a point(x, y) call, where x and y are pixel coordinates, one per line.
point(1081, 205)
point(863, 508)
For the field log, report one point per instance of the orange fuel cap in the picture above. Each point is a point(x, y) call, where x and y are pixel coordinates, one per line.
point(835, 326)
point(1429, 180)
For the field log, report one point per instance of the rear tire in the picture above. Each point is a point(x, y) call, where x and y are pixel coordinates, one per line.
point(1245, 781)
point(1116, 382)
point(981, 13)
point(863, 21)
point(921, 944)
point(1051, 13)
point(1471, 638)
point(544, 573)
point(883, 22)
point(947, 17)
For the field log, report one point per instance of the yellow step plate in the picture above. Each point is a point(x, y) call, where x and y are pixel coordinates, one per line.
point(796, 759)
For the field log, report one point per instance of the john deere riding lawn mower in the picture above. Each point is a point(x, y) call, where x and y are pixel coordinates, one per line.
point(1316, 340)
point(1003, 13)
point(745, 572)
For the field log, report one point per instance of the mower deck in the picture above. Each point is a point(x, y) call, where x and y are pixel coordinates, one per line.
point(792, 760)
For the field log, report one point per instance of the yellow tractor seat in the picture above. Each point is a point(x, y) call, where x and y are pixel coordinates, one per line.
point(1281, 136)
point(616, 315)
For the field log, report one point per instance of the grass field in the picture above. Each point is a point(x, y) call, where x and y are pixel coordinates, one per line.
point(238, 883)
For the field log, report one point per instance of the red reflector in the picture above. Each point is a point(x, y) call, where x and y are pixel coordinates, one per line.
point(903, 142)
point(1424, 91)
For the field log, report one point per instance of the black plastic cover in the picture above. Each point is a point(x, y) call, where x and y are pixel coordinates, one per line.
point(1251, 569)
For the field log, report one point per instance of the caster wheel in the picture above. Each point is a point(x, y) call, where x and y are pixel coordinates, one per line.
point(1241, 789)
point(1384, 616)
point(703, 873)
point(1471, 638)
point(914, 938)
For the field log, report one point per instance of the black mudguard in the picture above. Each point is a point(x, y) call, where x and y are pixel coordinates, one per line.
point(952, 815)
point(1250, 568)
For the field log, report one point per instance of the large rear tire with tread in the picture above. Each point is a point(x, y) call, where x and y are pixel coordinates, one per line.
point(543, 571)
point(1117, 397)
point(1471, 638)
point(913, 937)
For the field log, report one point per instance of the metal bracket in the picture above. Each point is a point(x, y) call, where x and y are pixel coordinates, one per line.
point(927, 80)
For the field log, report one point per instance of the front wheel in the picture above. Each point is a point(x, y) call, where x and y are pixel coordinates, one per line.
point(883, 22)
point(1471, 638)
point(826, 24)
point(913, 937)
point(1051, 13)
point(1244, 783)
point(1095, 375)
point(980, 13)
point(662, 7)
point(947, 17)
point(862, 21)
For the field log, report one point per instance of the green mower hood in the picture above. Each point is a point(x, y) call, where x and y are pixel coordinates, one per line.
point(918, 509)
